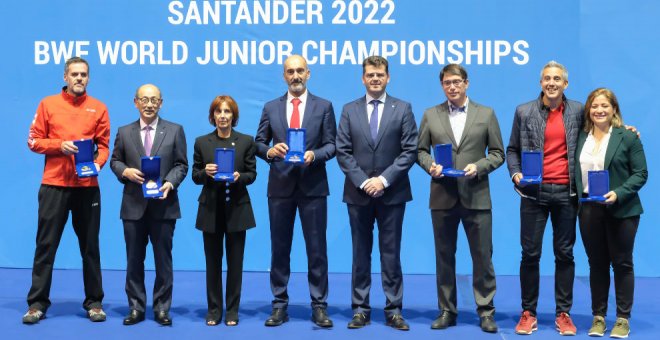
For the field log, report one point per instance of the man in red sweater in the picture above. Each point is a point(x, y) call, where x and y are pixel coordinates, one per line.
point(61, 119)
point(549, 124)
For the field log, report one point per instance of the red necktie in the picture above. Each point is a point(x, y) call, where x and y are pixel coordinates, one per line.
point(295, 116)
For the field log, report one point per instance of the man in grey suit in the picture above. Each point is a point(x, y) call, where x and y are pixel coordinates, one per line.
point(376, 146)
point(474, 133)
point(146, 218)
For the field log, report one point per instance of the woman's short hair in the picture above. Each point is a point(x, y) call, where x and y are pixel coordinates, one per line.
point(232, 106)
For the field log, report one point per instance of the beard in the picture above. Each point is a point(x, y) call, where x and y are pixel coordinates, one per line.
point(78, 89)
point(298, 87)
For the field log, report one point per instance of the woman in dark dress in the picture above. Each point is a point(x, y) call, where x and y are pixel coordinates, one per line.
point(225, 211)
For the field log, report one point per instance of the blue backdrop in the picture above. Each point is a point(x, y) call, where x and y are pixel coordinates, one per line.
point(503, 45)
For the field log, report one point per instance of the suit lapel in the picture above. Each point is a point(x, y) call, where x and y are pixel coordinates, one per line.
point(388, 111)
point(215, 143)
point(360, 113)
point(220, 143)
point(282, 114)
point(443, 114)
point(582, 137)
point(310, 108)
point(161, 132)
point(211, 140)
point(137, 139)
point(472, 112)
point(615, 140)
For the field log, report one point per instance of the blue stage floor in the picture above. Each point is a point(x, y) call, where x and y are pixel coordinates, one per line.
point(66, 318)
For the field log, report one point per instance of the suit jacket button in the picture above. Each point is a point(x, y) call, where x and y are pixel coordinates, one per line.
point(227, 191)
point(227, 199)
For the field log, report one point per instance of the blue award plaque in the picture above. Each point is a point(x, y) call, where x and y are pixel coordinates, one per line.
point(224, 159)
point(84, 159)
point(599, 185)
point(152, 181)
point(443, 156)
point(532, 167)
point(296, 142)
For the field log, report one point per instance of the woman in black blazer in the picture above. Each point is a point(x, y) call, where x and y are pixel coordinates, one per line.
point(224, 209)
point(608, 229)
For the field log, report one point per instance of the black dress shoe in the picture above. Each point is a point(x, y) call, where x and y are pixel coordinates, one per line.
point(359, 320)
point(444, 320)
point(277, 317)
point(163, 318)
point(133, 317)
point(396, 321)
point(320, 317)
point(487, 324)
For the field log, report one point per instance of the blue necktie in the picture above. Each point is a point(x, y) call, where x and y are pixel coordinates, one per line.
point(373, 121)
point(458, 108)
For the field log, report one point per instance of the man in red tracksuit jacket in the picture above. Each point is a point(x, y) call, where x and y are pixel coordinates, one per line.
point(61, 119)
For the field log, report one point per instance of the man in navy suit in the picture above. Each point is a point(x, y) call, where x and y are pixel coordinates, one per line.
point(376, 146)
point(145, 218)
point(303, 188)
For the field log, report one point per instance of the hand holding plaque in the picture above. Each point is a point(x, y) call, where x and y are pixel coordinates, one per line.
point(296, 142)
point(532, 167)
point(224, 159)
point(599, 185)
point(152, 181)
point(443, 156)
point(84, 158)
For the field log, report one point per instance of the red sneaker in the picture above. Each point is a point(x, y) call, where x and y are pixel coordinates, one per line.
point(527, 323)
point(565, 325)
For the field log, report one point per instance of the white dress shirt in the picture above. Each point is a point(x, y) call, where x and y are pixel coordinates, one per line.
point(381, 106)
point(370, 110)
point(592, 156)
point(152, 132)
point(301, 107)
point(457, 120)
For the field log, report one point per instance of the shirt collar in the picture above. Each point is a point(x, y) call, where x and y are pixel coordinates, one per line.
point(303, 97)
point(153, 124)
point(559, 109)
point(546, 108)
point(75, 100)
point(457, 109)
point(591, 133)
point(381, 99)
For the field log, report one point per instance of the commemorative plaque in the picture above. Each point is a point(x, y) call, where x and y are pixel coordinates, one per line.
point(84, 159)
point(224, 159)
point(443, 156)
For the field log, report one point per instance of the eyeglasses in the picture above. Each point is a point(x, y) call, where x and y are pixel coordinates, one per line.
point(455, 82)
point(146, 100)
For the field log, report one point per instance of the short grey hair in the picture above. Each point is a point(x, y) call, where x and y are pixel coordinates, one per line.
point(552, 63)
point(75, 60)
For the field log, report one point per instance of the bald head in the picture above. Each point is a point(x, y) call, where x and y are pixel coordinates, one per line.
point(296, 74)
point(147, 87)
point(148, 101)
point(295, 59)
